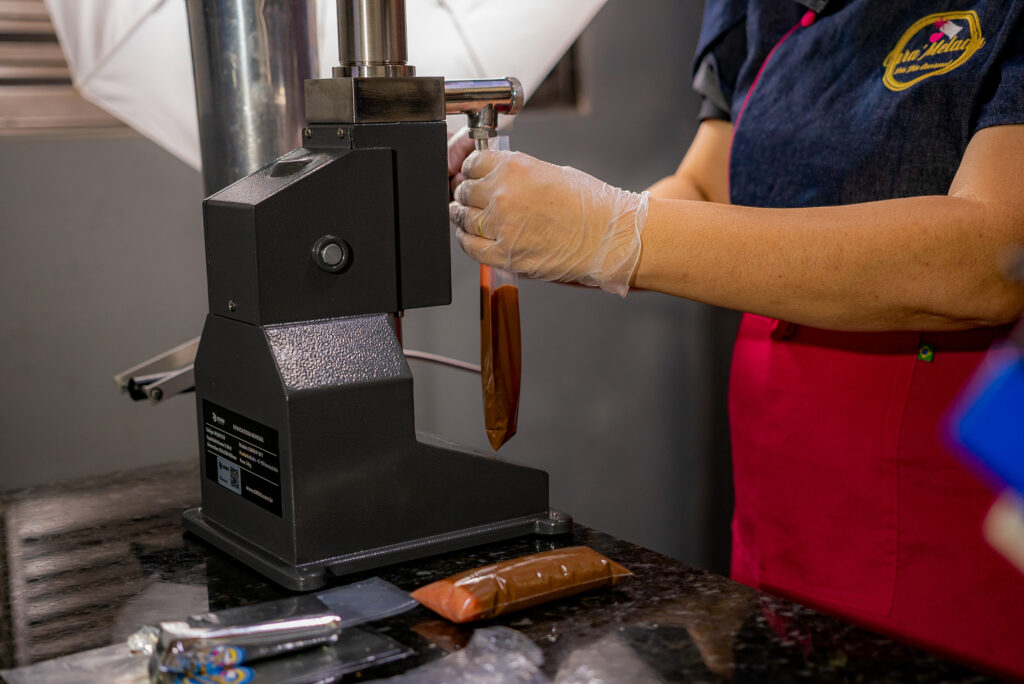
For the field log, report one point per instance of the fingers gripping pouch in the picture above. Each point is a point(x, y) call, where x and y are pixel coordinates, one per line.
point(520, 583)
point(501, 355)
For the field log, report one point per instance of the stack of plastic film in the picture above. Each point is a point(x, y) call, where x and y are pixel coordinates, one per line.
point(323, 626)
point(501, 356)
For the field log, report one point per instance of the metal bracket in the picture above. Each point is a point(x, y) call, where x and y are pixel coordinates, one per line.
point(162, 376)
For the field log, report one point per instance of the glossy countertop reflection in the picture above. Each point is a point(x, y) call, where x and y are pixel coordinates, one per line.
point(83, 564)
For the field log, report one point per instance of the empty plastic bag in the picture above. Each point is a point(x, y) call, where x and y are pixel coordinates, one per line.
point(495, 655)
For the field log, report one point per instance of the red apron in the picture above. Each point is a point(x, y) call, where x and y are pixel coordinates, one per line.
point(847, 500)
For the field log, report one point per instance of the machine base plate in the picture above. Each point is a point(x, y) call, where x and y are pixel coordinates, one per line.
point(310, 576)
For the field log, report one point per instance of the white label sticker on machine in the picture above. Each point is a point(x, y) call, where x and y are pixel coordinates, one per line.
point(242, 456)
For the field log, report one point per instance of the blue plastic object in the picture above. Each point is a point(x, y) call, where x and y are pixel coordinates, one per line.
point(989, 418)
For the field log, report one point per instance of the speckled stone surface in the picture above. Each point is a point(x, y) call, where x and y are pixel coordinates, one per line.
point(85, 563)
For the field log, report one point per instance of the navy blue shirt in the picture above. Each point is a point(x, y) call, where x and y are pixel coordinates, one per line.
point(874, 99)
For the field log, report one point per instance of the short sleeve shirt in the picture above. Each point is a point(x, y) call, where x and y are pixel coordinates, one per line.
point(872, 100)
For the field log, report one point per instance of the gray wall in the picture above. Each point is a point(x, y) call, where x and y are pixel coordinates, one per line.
point(101, 266)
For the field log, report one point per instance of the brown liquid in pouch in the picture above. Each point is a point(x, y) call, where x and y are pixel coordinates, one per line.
point(519, 583)
point(501, 358)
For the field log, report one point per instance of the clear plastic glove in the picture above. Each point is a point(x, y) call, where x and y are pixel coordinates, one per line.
point(548, 222)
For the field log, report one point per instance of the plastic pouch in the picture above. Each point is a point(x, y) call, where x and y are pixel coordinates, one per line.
point(519, 583)
point(610, 659)
point(366, 601)
point(495, 655)
point(501, 355)
point(108, 665)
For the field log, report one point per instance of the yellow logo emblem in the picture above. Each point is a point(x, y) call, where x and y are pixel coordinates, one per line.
point(934, 45)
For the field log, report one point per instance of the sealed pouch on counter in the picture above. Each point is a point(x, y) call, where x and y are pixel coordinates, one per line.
point(519, 583)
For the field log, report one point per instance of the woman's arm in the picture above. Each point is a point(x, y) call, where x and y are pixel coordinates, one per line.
point(703, 174)
point(922, 263)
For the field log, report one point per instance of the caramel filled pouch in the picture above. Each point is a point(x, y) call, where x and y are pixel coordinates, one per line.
point(501, 355)
point(519, 583)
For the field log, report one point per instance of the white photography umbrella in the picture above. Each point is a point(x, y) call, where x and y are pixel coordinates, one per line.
point(133, 59)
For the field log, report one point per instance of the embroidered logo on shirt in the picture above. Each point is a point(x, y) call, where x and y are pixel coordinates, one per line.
point(934, 45)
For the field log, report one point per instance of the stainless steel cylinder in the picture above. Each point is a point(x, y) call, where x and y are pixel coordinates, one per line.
point(372, 39)
point(250, 59)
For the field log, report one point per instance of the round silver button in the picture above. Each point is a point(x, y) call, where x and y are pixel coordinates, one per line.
point(331, 254)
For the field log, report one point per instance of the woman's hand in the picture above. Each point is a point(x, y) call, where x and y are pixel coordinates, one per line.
point(548, 222)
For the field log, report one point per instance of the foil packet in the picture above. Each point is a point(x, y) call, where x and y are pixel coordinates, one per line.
point(215, 644)
point(355, 649)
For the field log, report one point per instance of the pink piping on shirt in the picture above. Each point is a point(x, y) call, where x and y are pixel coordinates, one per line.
point(804, 22)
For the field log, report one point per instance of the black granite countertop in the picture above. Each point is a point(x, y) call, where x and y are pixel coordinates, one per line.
point(83, 564)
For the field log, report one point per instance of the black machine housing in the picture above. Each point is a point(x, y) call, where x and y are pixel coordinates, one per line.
point(311, 464)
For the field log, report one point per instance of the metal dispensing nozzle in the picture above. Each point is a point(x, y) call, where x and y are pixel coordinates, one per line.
point(481, 100)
